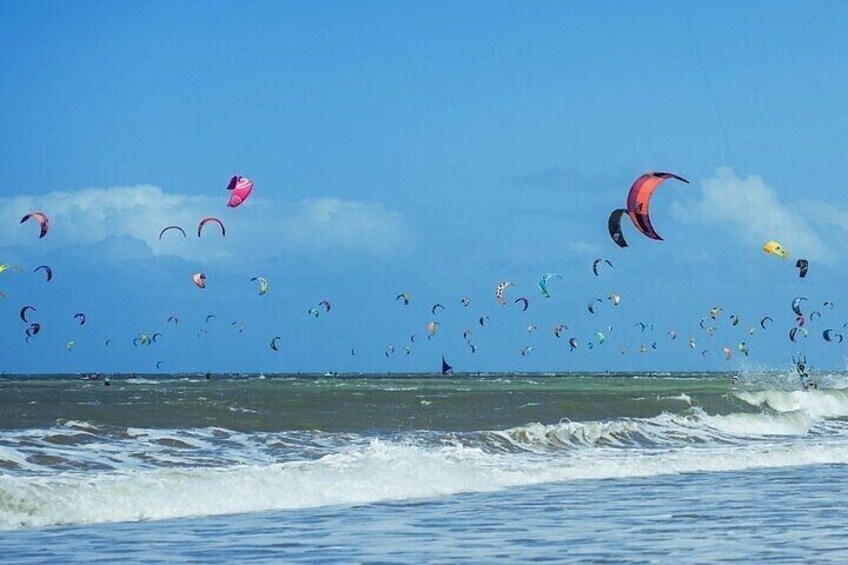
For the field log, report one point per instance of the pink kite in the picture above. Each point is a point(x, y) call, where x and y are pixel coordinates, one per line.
point(42, 219)
point(241, 188)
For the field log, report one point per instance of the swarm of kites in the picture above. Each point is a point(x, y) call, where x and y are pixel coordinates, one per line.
point(637, 209)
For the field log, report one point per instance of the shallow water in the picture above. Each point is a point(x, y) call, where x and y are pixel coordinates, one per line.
point(510, 467)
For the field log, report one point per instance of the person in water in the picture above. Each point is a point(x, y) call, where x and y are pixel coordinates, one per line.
point(801, 368)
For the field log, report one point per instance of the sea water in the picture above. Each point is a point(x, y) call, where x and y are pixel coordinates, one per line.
point(411, 468)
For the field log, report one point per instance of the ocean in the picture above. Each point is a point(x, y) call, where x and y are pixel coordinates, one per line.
point(423, 468)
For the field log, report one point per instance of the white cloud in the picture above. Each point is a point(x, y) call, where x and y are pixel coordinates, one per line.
point(259, 229)
point(754, 212)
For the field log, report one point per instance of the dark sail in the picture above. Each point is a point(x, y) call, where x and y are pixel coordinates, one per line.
point(446, 369)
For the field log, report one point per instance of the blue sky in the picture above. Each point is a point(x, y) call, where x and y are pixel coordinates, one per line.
point(434, 148)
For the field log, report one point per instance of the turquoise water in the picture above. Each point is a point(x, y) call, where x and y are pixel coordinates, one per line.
point(420, 468)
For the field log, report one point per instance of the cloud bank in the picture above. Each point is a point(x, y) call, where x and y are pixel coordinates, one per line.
point(260, 229)
point(752, 210)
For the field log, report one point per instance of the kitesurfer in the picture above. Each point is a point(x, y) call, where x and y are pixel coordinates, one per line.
point(801, 368)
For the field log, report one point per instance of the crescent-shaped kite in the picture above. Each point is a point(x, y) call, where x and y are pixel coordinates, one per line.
point(543, 283)
point(499, 292)
point(178, 228)
point(205, 221)
point(24, 311)
point(42, 220)
point(47, 271)
point(199, 280)
point(639, 200)
point(264, 286)
point(638, 205)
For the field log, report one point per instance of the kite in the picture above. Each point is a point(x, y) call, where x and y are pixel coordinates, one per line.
point(499, 292)
point(830, 335)
point(591, 305)
point(638, 202)
point(263, 284)
point(802, 266)
point(205, 221)
point(47, 271)
point(543, 283)
point(274, 341)
point(178, 228)
point(23, 312)
point(241, 188)
point(774, 248)
point(42, 220)
point(597, 262)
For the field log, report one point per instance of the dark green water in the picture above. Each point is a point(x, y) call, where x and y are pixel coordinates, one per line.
point(357, 404)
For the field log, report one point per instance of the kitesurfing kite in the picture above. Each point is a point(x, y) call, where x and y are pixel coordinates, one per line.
point(199, 280)
point(796, 305)
point(638, 202)
point(829, 335)
point(47, 271)
point(543, 283)
point(774, 248)
point(499, 292)
point(24, 311)
point(591, 304)
point(205, 221)
point(241, 188)
point(42, 220)
point(176, 228)
point(802, 265)
point(263, 284)
point(597, 262)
